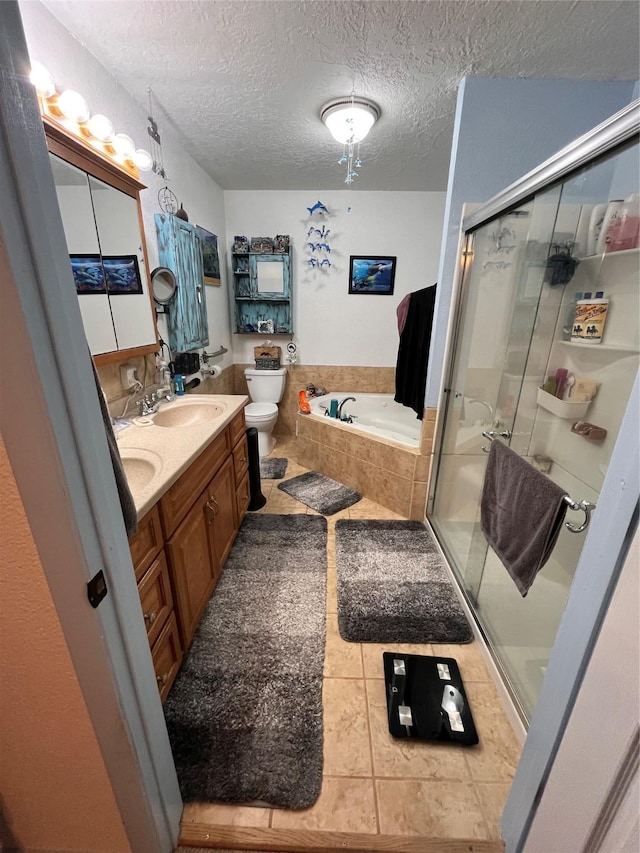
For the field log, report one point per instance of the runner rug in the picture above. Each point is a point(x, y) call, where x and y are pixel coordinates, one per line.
point(245, 712)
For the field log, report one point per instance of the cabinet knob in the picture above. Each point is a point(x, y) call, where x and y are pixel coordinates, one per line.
point(150, 617)
point(243, 459)
point(162, 679)
point(213, 506)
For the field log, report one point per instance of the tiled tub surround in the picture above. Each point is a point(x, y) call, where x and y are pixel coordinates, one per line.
point(384, 471)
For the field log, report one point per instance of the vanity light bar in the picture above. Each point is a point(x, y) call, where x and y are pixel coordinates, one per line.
point(69, 110)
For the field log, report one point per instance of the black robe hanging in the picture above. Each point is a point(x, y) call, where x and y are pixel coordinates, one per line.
point(413, 352)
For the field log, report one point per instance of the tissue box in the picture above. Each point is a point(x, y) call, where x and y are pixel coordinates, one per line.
point(267, 358)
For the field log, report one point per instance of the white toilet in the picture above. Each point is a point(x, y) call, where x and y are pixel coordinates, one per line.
point(266, 388)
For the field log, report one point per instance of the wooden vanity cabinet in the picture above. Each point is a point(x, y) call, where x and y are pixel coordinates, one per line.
point(183, 542)
point(156, 598)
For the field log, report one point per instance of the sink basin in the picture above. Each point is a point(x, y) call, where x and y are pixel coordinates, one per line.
point(140, 467)
point(186, 414)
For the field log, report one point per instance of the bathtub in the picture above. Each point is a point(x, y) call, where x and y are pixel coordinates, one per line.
point(373, 414)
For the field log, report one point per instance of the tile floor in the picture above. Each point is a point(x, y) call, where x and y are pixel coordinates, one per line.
point(373, 783)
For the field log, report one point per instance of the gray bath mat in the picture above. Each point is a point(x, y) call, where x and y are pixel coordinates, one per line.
point(320, 493)
point(393, 586)
point(245, 712)
point(273, 468)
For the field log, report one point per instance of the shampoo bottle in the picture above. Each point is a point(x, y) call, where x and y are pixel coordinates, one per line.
point(591, 315)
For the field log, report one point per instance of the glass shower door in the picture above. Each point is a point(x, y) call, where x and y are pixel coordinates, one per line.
point(514, 331)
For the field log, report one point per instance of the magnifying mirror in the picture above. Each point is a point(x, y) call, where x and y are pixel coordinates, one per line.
point(164, 286)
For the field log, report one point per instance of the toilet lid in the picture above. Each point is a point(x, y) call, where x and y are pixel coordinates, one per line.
point(260, 410)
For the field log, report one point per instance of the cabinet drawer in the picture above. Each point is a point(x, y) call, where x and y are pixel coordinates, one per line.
point(242, 498)
point(237, 428)
point(146, 543)
point(180, 497)
point(155, 596)
point(240, 459)
point(167, 656)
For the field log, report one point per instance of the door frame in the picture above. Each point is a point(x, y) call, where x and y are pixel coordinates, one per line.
point(55, 440)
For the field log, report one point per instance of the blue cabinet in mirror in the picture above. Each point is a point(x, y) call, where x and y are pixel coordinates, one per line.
point(262, 293)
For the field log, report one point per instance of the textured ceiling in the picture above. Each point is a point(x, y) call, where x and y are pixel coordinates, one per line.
point(244, 81)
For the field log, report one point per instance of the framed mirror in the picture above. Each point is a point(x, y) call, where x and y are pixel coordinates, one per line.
point(100, 209)
point(163, 286)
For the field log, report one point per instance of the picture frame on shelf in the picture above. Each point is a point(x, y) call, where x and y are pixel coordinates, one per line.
point(372, 274)
point(262, 245)
point(210, 257)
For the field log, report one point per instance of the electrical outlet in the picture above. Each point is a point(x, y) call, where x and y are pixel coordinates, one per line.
point(128, 376)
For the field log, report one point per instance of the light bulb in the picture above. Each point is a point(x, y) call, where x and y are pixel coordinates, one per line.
point(100, 127)
point(73, 106)
point(143, 160)
point(124, 145)
point(42, 80)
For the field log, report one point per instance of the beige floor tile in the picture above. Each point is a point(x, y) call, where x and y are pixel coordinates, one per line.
point(496, 757)
point(468, 657)
point(346, 731)
point(344, 805)
point(218, 814)
point(409, 758)
point(372, 655)
point(332, 600)
point(342, 660)
point(430, 809)
point(493, 796)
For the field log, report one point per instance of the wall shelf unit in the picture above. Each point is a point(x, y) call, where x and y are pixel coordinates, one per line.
point(261, 285)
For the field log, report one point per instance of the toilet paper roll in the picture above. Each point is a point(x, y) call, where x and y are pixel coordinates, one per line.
point(212, 370)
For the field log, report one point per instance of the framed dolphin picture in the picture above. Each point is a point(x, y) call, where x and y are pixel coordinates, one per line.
point(373, 274)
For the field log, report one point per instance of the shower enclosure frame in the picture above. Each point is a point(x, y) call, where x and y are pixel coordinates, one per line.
point(612, 527)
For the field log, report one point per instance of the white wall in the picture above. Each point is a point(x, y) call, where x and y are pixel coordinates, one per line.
point(73, 67)
point(332, 326)
point(503, 129)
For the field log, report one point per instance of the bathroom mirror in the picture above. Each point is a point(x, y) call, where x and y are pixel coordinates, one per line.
point(100, 212)
point(270, 277)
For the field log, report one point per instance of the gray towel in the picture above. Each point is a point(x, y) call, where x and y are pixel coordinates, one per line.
point(521, 514)
point(124, 492)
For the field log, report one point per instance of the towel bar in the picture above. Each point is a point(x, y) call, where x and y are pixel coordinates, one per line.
point(586, 506)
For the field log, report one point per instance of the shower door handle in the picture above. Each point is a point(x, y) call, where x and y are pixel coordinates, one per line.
point(491, 435)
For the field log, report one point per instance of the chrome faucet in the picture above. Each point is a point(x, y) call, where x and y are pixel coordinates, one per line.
point(342, 402)
point(147, 406)
point(488, 407)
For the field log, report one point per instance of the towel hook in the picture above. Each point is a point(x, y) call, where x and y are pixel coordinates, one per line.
point(586, 507)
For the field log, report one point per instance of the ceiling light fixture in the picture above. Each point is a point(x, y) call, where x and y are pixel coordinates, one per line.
point(349, 120)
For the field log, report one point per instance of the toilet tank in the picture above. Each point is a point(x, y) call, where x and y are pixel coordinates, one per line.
point(266, 386)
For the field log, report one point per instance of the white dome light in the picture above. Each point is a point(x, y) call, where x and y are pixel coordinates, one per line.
point(124, 145)
point(100, 127)
point(349, 120)
point(42, 80)
point(143, 160)
point(73, 106)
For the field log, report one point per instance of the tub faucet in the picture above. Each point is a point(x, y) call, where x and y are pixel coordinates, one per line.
point(342, 402)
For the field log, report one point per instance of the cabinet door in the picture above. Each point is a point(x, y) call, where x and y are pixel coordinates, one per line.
point(179, 249)
point(193, 571)
point(270, 276)
point(222, 498)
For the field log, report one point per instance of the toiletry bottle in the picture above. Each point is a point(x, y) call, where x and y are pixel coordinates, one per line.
point(178, 380)
point(591, 315)
point(570, 316)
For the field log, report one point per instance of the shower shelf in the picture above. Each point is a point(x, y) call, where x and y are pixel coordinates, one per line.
point(596, 347)
point(561, 408)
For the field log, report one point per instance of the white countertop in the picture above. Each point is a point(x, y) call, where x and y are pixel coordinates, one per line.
point(154, 457)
